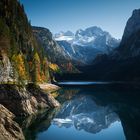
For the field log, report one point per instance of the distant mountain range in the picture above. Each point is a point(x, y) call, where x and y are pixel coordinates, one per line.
point(86, 44)
point(122, 63)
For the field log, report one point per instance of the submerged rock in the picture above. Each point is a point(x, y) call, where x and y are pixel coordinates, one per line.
point(9, 129)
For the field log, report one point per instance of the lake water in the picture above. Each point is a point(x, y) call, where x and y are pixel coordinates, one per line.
point(90, 111)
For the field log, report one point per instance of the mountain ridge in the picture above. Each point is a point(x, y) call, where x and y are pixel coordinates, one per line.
point(55, 53)
point(122, 64)
point(92, 39)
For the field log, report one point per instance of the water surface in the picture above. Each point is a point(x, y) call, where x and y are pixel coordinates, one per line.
point(82, 83)
point(95, 112)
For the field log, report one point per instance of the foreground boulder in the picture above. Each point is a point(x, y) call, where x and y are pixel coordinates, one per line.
point(25, 101)
point(43, 99)
point(9, 129)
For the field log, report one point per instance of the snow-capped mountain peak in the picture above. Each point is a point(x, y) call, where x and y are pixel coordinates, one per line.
point(64, 36)
point(86, 44)
point(90, 36)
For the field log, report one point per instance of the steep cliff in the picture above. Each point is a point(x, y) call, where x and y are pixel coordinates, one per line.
point(130, 44)
point(55, 54)
point(22, 61)
point(21, 58)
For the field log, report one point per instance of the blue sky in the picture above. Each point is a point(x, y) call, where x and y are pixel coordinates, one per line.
point(63, 15)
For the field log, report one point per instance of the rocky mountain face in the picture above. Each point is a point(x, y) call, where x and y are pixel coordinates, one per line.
point(53, 51)
point(132, 26)
point(86, 44)
point(129, 46)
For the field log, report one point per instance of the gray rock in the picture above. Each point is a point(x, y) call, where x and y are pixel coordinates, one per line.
point(25, 101)
point(6, 70)
point(9, 129)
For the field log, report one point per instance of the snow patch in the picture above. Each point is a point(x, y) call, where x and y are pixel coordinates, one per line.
point(64, 38)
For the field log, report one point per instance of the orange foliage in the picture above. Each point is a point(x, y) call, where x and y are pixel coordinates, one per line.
point(53, 67)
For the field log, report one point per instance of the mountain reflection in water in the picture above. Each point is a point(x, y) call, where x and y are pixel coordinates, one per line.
point(84, 114)
point(96, 112)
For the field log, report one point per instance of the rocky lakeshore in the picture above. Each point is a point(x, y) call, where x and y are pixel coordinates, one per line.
point(16, 100)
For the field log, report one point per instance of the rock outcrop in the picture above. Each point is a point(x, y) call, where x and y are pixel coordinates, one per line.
point(6, 70)
point(9, 129)
point(42, 97)
point(25, 101)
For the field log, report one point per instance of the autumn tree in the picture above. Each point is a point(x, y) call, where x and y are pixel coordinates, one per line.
point(36, 68)
point(19, 65)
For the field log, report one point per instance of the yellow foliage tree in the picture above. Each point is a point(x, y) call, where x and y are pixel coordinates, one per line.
point(36, 57)
point(37, 68)
point(20, 66)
